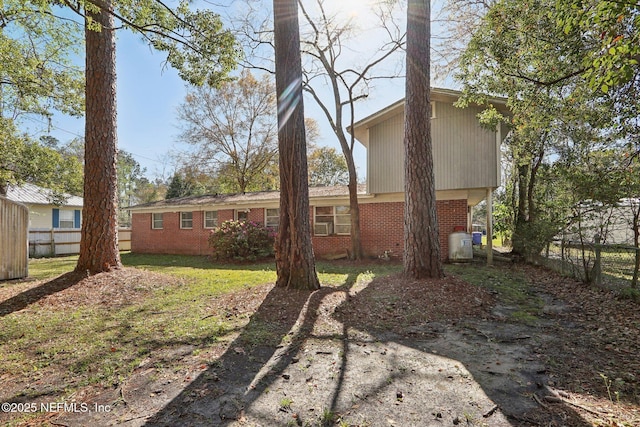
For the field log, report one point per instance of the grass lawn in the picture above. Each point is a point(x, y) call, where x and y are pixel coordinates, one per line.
point(97, 334)
point(182, 324)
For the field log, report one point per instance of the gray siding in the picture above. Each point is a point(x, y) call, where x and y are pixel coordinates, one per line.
point(386, 156)
point(465, 155)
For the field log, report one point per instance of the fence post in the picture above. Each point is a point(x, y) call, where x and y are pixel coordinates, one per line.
point(597, 267)
point(53, 242)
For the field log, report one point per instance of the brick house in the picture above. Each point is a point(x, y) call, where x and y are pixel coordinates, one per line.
point(466, 167)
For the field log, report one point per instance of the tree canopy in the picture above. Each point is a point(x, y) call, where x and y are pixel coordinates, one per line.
point(233, 129)
point(569, 97)
point(37, 77)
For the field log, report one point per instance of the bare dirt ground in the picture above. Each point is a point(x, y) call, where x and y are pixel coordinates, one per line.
point(391, 353)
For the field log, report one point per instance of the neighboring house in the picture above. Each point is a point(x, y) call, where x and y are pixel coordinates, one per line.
point(466, 167)
point(46, 209)
point(54, 219)
point(614, 224)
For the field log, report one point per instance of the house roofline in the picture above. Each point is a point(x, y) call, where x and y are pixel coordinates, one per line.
point(473, 196)
point(361, 127)
point(230, 201)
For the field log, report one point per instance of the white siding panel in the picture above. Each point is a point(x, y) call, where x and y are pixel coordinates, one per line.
point(465, 155)
point(386, 156)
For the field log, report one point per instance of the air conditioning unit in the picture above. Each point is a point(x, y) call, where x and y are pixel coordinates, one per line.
point(323, 228)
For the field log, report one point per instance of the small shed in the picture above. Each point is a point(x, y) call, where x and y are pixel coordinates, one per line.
point(14, 243)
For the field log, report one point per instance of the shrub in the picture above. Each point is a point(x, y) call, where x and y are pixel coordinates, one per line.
point(241, 241)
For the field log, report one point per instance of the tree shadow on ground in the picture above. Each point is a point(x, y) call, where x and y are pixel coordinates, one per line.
point(35, 294)
point(474, 369)
point(265, 348)
point(285, 368)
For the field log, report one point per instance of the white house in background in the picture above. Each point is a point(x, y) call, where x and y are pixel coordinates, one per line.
point(44, 209)
point(54, 221)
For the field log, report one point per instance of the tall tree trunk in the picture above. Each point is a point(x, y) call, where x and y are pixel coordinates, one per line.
point(295, 262)
point(636, 244)
point(354, 206)
point(99, 238)
point(354, 210)
point(519, 238)
point(422, 247)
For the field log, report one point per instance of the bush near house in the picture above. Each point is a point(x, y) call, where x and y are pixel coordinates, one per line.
point(242, 241)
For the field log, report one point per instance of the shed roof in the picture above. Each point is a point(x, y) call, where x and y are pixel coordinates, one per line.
point(32, 194)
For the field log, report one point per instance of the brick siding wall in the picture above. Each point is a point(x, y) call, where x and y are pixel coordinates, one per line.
point(382, 229)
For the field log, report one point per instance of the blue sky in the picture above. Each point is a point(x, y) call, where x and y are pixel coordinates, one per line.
point(150, 93)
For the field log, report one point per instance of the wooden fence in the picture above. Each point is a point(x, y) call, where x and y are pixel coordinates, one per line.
point(14, 222)
point(45, 242)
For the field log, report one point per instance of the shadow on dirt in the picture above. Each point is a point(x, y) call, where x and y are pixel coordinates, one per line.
point(33, 295)
point(266, 347)
point(285, 369)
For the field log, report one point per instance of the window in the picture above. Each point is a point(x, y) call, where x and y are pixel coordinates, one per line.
point(272, 218)
point(66, 219)
point(157, 221)
point(343, 220)
point(210, 219)
point(242, 215)
point(330, 220)
point(186, 219)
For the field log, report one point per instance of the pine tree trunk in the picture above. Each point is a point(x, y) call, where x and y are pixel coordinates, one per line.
point(422, 247)
point(295, 262)
point(354, 210)
point(99, 238)
point(636, 244)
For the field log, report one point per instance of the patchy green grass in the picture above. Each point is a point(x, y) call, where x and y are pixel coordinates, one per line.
point(85, 342)
point(224, 277)
point(47, 268)
point(201, 268)
point(216, 277)
point(511, 287)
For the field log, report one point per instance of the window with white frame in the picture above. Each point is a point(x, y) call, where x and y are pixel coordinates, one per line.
point(157, 222)
point(66, 219)
point(186, 220)
point(330, 220)
point(210, 219)
point(241, 214)
point(272, 218)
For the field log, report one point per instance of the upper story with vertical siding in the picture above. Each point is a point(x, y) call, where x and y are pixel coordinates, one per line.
point(466, 156)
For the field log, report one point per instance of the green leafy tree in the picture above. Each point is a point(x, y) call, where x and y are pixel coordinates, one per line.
point(233, 130)
point(37, 77)
point(151, 191)
point(130, 182)
point(611, 60)
point(548, 100)
point(37, 73)
point(47, 165)
point(184, 185)
point(327, 167)
point(605, 184)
